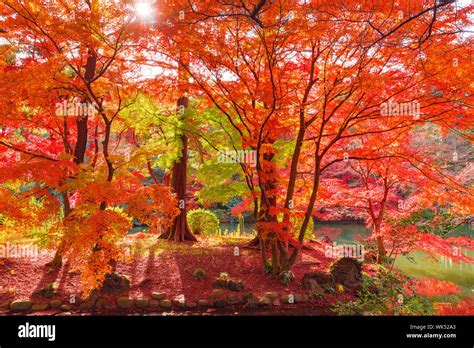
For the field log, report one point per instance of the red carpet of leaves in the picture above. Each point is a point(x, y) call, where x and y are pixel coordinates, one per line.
point(464, 307)
point(168, 267)
point(431, 287)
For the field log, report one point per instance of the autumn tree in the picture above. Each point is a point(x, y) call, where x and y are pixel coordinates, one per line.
point(328, 68)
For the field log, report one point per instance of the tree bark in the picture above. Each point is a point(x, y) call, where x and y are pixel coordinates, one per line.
point(179, 230)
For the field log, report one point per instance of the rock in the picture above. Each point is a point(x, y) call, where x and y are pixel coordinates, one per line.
point(20, 305)
point(288, 298)
point(125, 302)
point(165, 303)
point(305, 298)
point(220, 283)
point(55, 304)
point(153, 303)
point(47, 292)
point(315, 289)
point(99, 303)
point(115, 283)
point(217, 292)
point(86, 305)
point(232, 285)
point(264, 301)
point(142, 302)
point(347, 272)
point(158, 295)
point(271, 295)
point(298, 298)
point(203, 303)
point(233, 299)
point(220, 303)
point(4, 305)
point(179, 303)
point(109, 305)
point(315, 281)
point(250, 300)
point(191, 305)
point(39, 307)
point(235, 285)
point(65, 307)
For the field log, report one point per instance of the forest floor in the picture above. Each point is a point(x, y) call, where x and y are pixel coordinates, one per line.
point(154, 265)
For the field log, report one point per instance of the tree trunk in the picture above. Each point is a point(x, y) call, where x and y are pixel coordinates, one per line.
point(179, 230)
point(381, 252)
point(79, 149)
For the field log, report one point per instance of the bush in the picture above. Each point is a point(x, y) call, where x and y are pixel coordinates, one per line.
point(202, 221)
point(386, 294)
point(199, 273)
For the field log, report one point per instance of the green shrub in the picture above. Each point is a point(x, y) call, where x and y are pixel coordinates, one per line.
point(385, 294)
point(202, 221)
point(199, 273)
point(287, 277)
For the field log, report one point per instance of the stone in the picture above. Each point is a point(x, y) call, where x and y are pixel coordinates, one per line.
point(235, 285)
point(115, 283)
point(314, 281)
point(40, 307)
point(264, 301)
point(233, 299)
point(19, 305)
point(65, 307)
point(165, 303)
point(55, 304)
point(110, 305)
point(220, 283)
point(179, 303)
point(298, 298)
point(142, 302)
point(99, 303)
point(203, 303)
point(191, 305)
point(287, 298)
point(125, 302)
point(271, 295)
point(47, 292)
point(86, 305)
point(158, 295)
point(347, 272)
point(250, 300)
point(217, 292)
point(315, 289)
point(232, 285)
point(220, 303)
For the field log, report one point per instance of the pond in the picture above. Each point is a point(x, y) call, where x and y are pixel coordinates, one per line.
point(416, 264)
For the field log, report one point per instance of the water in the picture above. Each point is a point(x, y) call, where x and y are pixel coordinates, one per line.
point(416, 264)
